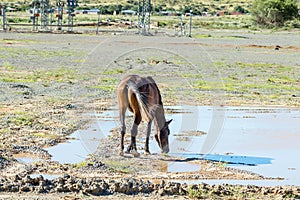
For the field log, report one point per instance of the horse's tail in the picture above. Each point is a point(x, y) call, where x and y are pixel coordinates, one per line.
point(142, 101)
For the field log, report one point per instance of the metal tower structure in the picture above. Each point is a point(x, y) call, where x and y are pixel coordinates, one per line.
point(3, 14)
point(45, 8)
point(144, 13)
point(72, 4)
point(59, 15)
point(35, 14)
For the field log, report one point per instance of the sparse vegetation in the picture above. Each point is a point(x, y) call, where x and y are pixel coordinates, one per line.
point(253, 80)
point(82, 164)
point(118, 166)
point(8, 74)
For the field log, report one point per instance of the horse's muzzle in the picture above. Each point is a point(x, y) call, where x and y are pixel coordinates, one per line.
point(165, 149)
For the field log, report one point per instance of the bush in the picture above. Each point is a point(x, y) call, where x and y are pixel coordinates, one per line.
point(240, 9)
point(272, 13)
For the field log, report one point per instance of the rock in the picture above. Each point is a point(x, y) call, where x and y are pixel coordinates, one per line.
point(135, 153)
point(98, 187)
point(25, 188)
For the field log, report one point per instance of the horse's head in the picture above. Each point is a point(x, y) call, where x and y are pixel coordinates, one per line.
point(162, 137)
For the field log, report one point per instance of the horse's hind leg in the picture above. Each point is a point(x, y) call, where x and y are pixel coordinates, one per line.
point(123, 129)
point(123, 105)
point(134, 107)
point(147, 138)
point(132, 146)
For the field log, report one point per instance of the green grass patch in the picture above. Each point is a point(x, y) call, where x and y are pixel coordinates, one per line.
point(21, 118)
point(195, 194)
point(194, 75)
point(267, 82)
point(113, 72)
point(45, 135)
point(199, 36)
point(8, 66)
point(15, 41)
point(15, 52)
point(109, 81)
point(53, 100)
point(106, 84)
point(82, 164)
point(58, 75)
point(118, 166)
point(3, 131)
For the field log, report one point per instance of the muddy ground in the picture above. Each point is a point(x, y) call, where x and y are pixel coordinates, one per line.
point(51, 83)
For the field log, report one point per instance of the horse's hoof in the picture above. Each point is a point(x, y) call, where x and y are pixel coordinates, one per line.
point(135, 153)
point(147, 153)
point(121, 153)
point(127, 151)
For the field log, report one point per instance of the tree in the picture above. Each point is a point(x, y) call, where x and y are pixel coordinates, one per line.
point(272, 13)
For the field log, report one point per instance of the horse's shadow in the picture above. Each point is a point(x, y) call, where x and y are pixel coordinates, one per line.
point(227, 159)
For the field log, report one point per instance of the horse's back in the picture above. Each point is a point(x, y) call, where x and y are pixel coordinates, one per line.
point(134, 86)
point(145, 85)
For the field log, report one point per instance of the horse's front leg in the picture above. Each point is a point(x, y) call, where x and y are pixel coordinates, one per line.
point(147, 138)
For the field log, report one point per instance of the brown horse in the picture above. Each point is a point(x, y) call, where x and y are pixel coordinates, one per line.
point(142, 97)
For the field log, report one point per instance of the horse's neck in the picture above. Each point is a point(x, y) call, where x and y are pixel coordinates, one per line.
point(160, 117)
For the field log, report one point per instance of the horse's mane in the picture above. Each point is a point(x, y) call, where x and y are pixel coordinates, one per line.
point(153, 82)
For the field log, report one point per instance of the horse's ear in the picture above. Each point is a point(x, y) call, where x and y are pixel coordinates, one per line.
point(168, 122)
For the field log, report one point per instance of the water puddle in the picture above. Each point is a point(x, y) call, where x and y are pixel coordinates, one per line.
point(26, 158)
point(84, 142)
point(258, 139)
point(268, 183)
point(45, 176)
point(181, 167)
point(261, 140)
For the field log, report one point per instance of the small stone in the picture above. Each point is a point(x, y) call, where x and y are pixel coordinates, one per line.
point(25, 188)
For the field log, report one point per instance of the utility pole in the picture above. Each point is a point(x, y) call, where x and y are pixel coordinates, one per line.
point(191, 14)
point(98, 24)
point(181, 25)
